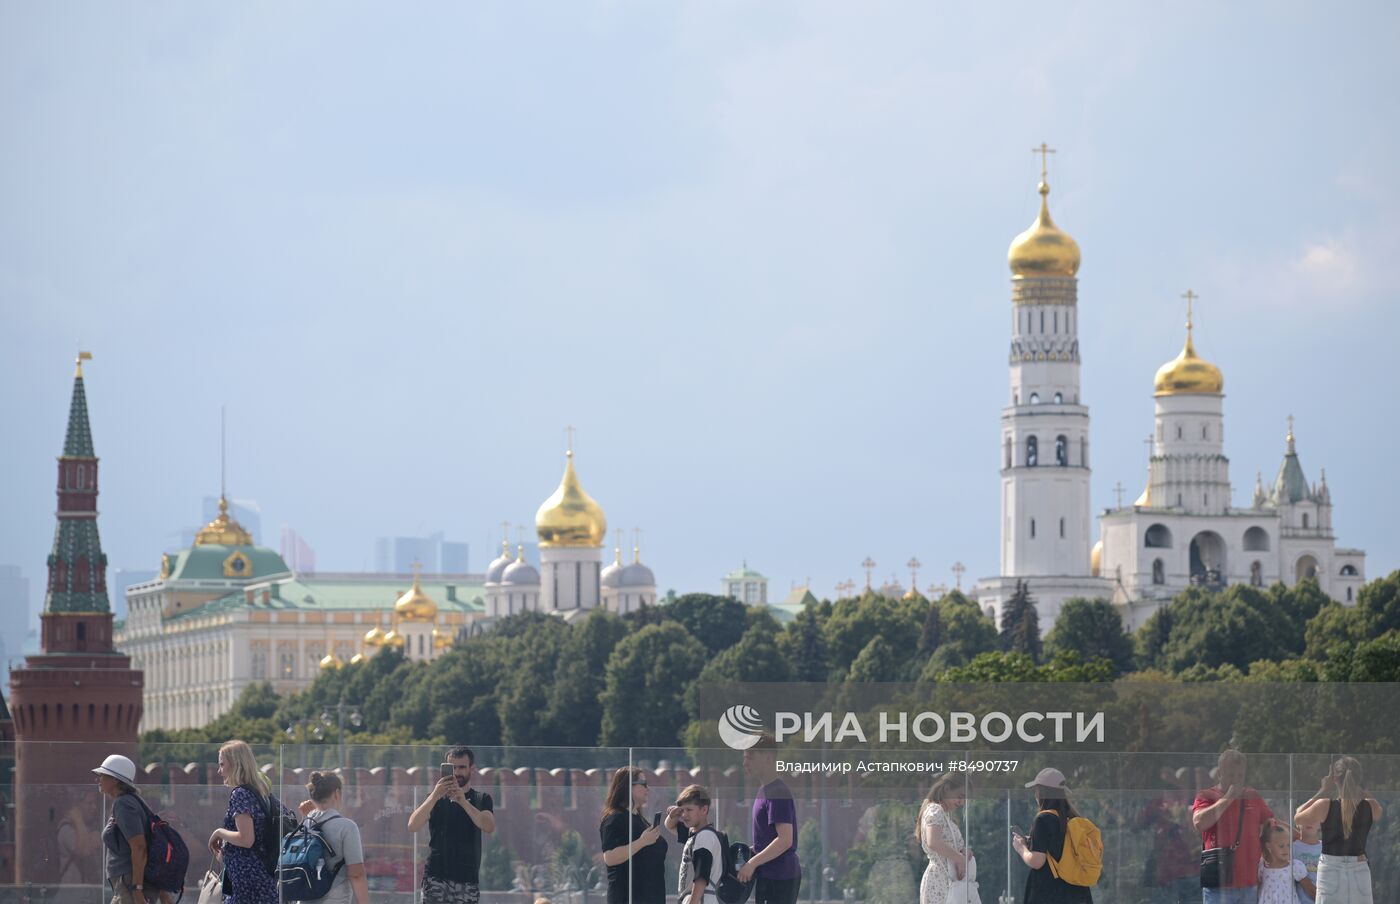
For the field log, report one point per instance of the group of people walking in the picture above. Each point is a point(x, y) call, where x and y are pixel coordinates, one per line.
point(1249, 856)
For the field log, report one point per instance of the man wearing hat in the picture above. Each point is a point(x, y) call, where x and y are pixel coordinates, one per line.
point(124, 838)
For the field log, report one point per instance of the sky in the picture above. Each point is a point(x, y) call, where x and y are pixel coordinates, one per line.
point(754, 253)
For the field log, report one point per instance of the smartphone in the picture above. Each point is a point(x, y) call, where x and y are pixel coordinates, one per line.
point(446, 770)
point(656, 820)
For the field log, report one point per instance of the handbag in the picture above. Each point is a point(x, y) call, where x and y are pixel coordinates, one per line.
point(965, 890)
point(211, 887)
point(1217, 863)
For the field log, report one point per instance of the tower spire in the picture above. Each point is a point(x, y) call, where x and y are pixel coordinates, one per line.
point(77, 565)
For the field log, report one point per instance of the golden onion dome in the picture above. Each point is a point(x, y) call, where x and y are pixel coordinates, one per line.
point(357, 659)
point(223, 530)
point(331, 661)
point(415, 605)
point(1043, 249)
point(374, 637)
point(913, 595)
point(441, 639)
point(393, 638)
point(1188, 373)
point(1096, 559)
point(570, 517)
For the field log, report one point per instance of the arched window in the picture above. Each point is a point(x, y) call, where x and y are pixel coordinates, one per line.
point(82, 477)
point(1178, 431)
point(1083, 452)
point(1062, 528)
point(1032, 452)
point(1035, 398)
point(1305, 520)
point(1159, 574)
point(1348, 571)
point(1061, 450)
point(1059, 398)
point(1256, 574)
point(1032, 528)
point(1008, 452)
point(1256, 539)
point(1158, 536)
point(1205, 431)
point(1348, 594)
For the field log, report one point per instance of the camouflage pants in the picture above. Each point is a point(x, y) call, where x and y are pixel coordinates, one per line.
point(445, 891)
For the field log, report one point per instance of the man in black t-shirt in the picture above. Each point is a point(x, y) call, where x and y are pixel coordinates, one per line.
point(456, 814)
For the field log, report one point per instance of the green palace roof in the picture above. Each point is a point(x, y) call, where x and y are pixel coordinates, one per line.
point(341, 595)
point(207, 563)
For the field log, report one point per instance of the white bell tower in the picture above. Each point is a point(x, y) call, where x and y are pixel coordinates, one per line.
point(1045, 428)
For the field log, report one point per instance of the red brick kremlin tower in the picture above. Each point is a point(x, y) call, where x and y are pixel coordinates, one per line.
point(78, 700)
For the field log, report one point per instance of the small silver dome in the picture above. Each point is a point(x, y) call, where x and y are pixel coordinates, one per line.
point(611, 575)
point(520, 572)
point(637, 575)
point(497, 568)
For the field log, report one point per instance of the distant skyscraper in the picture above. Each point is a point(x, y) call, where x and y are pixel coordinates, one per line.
point(14, 611)
point(300, 557)
point(432, 553)
point(452, 557)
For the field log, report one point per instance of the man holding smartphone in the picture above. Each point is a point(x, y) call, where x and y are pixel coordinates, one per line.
point(456, 814)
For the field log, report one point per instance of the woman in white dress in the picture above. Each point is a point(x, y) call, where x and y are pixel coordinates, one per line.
point(942, 839)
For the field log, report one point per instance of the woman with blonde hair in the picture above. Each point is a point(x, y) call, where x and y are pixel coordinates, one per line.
point(250, 829)
point(942, 840)
point(1346, 813)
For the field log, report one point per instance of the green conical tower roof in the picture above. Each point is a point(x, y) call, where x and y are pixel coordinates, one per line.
point(77, 565)
point(1290, 486)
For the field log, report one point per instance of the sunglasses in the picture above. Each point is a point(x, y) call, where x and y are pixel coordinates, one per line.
point(641, 781)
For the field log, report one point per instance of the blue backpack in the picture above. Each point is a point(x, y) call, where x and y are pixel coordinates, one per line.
point(307, 868)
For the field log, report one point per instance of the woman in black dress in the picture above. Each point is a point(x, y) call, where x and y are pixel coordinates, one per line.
point(1047, 840)
point(633, 849)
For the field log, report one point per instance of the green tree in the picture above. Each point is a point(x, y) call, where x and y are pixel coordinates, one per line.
point(530, 659)
point(966, 633)
point(1236, 626)
point(1335, 626)
point(716, 621)
point(877, 662)
point(575, 711)
point(855, 622)
point(804, 646)
point(456, 699)
point(931, 636)
point(1094, 630)
point(1299, 604)
point(1002, 668)
point(1379, 603)
point(1020, 624)
point(644, 686)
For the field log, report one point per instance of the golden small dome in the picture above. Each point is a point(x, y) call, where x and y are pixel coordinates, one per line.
point(441, 639)
point(570, 517)
point(1096, 559)
point(357, 659)
point(374, 637)
point(331, 661)
point(1188, 373)
point(415, 605)
point(393, 638)
point(1043, 249)
point(223, 530)
point(913, 594)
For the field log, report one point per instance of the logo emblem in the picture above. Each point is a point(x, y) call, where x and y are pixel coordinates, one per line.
point(739, 726)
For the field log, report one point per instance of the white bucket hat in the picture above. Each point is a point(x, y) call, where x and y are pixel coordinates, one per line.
point(119, 768)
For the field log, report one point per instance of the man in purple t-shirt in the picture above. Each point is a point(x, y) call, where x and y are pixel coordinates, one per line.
point(774, 863)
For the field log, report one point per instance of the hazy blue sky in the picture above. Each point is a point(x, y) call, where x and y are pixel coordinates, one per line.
point(755, 252)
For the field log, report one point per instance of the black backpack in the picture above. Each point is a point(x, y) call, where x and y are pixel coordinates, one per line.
point(167, 856)
point(729, 889)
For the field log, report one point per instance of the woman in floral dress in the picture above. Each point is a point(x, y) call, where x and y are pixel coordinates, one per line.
point(942, 839)
point(240, 841)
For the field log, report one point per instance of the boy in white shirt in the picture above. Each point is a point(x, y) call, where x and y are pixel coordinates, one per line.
point(702, 861)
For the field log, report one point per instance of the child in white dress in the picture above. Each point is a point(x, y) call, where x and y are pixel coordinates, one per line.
point(1277, 868)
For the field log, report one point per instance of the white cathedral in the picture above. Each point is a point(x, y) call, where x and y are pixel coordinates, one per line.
point(1184, 529)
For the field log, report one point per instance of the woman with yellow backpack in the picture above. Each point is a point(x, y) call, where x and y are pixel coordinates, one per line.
point(1064, 850)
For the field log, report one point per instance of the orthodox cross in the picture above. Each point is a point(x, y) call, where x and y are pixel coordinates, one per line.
point(869, 566)
point(1044, 151)
point(914, 566)
point(1118, 494)
point(1190, 298)
point(958, 569)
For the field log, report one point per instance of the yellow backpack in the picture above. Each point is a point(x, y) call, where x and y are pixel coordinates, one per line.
point(1081, 861)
